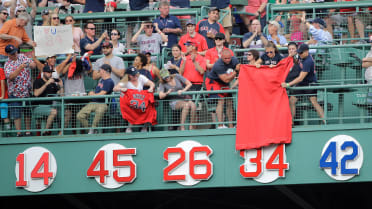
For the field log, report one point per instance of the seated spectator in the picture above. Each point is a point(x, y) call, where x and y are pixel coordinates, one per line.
point(134, 80)
point(77, 33)
point(4, 105)
point(115, 62)
point(367, 63)
point(213, 54)
point(149, 41)
point(104, 87)
point(255, 38)
point(74, 74)
point(227, 20)
point(174, 63)
point(219, 78)
point(170, 25)
point(17, 72)
point(177, 83)
point(274, 36)
point(90, 42)
point(194, 37)
point(151, 67)
point(320, 36)
point(307, 77)
point(118, 47)
point(193, 66)
point(271, 56)
point(210, 27)
point(47, 87)
point(139, 63)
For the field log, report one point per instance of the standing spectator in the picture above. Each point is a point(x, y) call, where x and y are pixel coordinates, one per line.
point(180, 3)
point(307, 77)
point(210, 27)
point(227, 20)
point(77, 33)
point(104, 87)
point(14, 33)
point(94, 6)
point(213, 54)
point(3, 16)
point(274, 36)
point(271, 56)
point(255, 38)
point(47, 87)
point(149, 41)
point(258, 9)
point(115, 62)
point(193, 66)
point(174, 63)
point(168, 24)
point(134, 5)
point(118, 47)
point(177, 83)
point(219, 78)
point(367, 63)
point(194, 37)
point(252, 57)
point(90, 42)
point(16, 10)
point(4, 105)
point(17, 72)
point(319, 35)
point(134, 80)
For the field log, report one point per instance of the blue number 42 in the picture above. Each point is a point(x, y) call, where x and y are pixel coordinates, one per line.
point(333, 164)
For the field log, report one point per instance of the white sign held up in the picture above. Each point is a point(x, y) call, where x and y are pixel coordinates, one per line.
point(53, 40)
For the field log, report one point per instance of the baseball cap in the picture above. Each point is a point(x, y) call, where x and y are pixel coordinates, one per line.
point(220, 36)
point(50, 56)
point(275, 23)
point(106, 67)
point(164, 73)
point(48, 68)
point(45, 12)
point(320, 21)
point(189, 43)
point(190, 21)
point(213, 9)
point(107, 44)
point(10, 49)
point(131, 71)
point(20, 8)
point(302, 48)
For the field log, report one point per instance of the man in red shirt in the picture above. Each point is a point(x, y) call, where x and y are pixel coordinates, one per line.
point(193, 66)
point(4, 95)
point(194, 37)
point(213, 54)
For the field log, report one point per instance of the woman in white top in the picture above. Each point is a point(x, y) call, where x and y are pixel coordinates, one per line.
point(134, 80)
point(77, 33)
point(118, 47)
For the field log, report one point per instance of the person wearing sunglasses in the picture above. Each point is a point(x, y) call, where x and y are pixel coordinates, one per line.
point(210, 27)
point(77, 33)
point(90, 42)
point(15, 11)
point(307, 77)
point(3, 16)
point(271, 56)
point(213, 54)
point(54, 19)
point(118, 47)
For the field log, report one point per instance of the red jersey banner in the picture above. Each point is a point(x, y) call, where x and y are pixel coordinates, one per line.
point(138, 107)
point(264, 116)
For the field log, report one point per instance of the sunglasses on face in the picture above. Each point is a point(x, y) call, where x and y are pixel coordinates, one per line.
point(69, 20)
point(21, 11)
point(270, 52)
point(55, 18)
point(91, 28)
point(148, 26)
point(114, 34)
point(249, 54)
point(4, 13)
point(218, 39)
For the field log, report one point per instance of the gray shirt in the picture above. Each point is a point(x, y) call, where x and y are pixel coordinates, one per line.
point(115, 62)
point(180, 83)
point(149, 43)
point(74, 85)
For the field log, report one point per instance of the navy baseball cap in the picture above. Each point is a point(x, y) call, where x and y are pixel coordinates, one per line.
point(106, 67)
point(302, 48)
point(132, 71)
point(320, 22)
point(10, 49)
point(190, 21)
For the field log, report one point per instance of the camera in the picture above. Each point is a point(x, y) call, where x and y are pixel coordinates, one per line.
point(56, 79)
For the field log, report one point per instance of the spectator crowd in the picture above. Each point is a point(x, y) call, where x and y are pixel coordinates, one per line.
point(201, 58)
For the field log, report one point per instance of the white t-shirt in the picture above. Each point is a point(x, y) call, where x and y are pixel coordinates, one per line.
point(120, 49)
point(141, 82)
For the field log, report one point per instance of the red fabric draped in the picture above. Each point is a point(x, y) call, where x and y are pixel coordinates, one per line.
point(264, 116)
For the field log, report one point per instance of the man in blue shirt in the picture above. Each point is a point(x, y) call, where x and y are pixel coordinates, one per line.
point(210, 27)
point(307, 77)
point(104, 87)
point(274, 36)
point(227, 20)
point(168, 24)
point(90, 42)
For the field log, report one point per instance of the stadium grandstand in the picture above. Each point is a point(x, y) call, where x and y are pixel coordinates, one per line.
point(185, 104)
